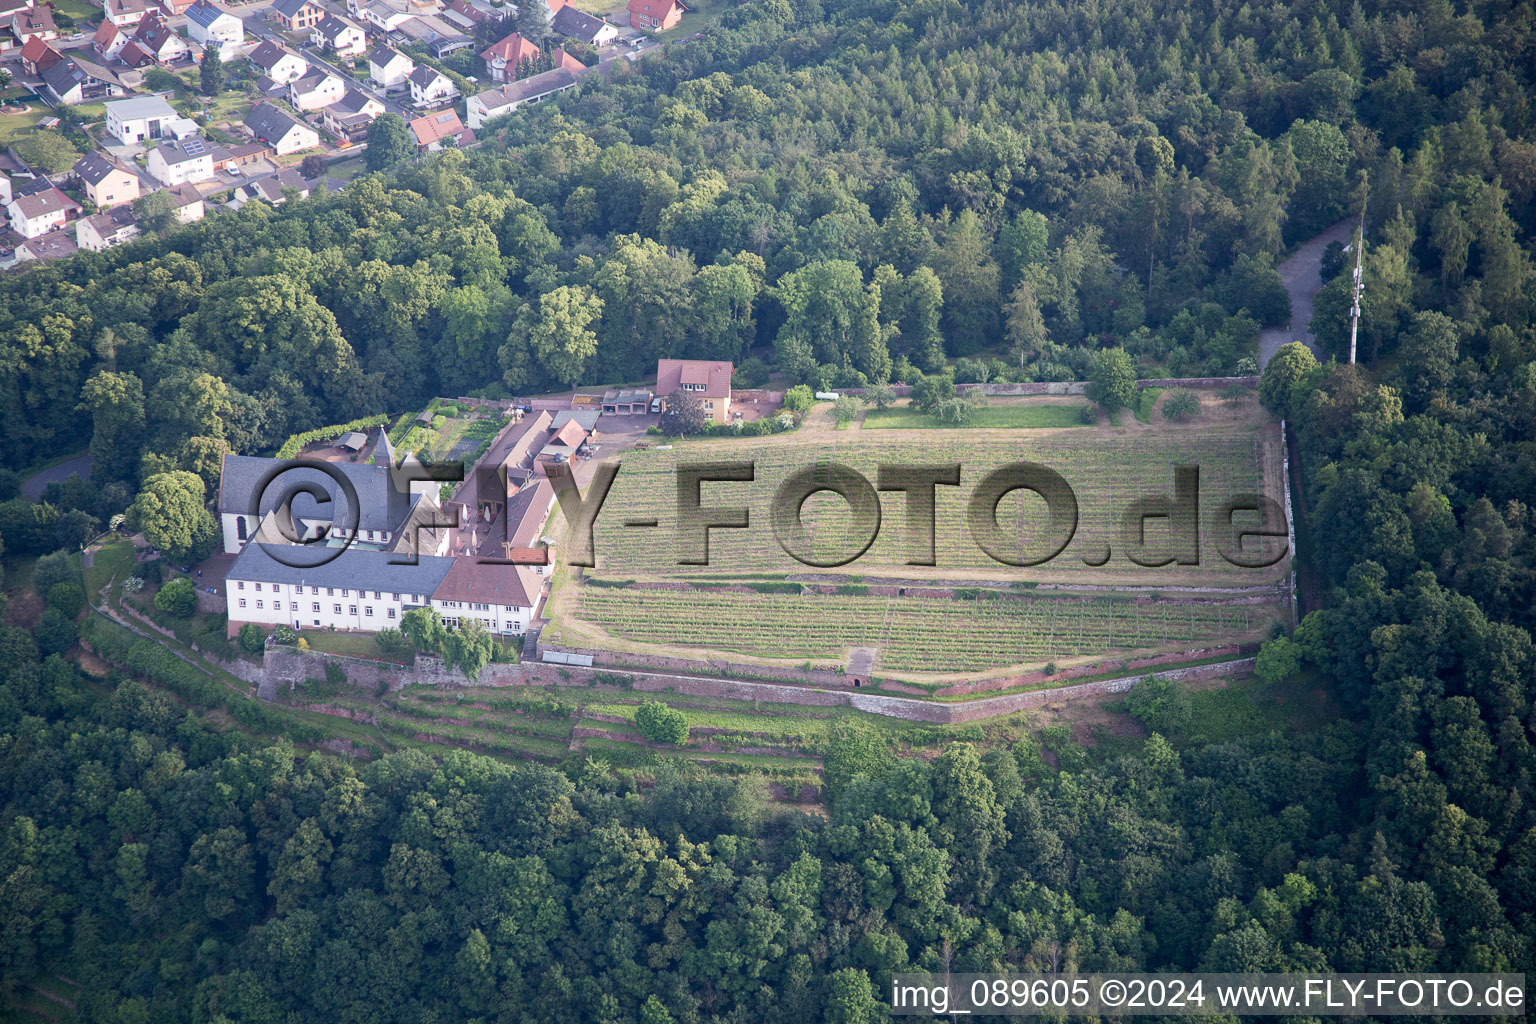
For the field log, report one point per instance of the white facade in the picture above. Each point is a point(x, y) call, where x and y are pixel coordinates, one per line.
point(299, 137)
point(290, 67)
point(436, 91)
point(316, 607)
point(396, 69)
point(139, 119)
point(37, 224)
point(173, 166)
point(498, 618)
point(347, 41)
point(226, 32)
point(315, 93)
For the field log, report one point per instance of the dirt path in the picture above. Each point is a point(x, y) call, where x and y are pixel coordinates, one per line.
point(1302, 281)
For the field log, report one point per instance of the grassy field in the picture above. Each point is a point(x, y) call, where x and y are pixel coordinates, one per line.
point(1146, 398)
point(1107, 473)
point(1016, 417)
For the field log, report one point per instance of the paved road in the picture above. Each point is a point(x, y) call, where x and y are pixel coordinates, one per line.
point(33, 488)
point(1302, 281)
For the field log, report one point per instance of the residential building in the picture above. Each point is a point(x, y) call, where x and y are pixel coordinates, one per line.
point(340, 36)
point(430, 88)
point(109, 40)
point(440, 36)
point(574, 24)
point(134, 55)
point(40, 212)
point(105, 183)
point(655, 15)
point(466, 11)
point(174, 8)
point(349, 117)
point(505, 598)
point(389, 67)
point(272, 188)
point(176, 161)
point(315, 91)
point(37, 55)
point(139, 118)
point(707, 379)
point(55, 245)
point(268, 124)
point(433, 131)
point(156, 38)
point(124, 13)
point(76, 80)
point(506, 57)
point(492, 103)
point(33, 23)
point(383, 16)
point(214, 28)
point(297, 15)
point(189, 203)
point(280, 65)
point(106, 229)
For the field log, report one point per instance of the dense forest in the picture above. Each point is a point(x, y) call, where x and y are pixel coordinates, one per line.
point(850, 191)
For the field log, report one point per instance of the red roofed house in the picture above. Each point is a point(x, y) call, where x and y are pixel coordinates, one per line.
point(655, 15)
point(504, 57)
point(109, 40)
point(708, 379)
point(159, 40)
point(504, 597)
point(433, 131)
point(38, 56)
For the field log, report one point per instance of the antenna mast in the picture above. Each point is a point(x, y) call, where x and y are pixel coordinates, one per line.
point(1359, 290)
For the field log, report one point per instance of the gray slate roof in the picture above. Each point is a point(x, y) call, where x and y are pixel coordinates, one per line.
point(574, 24)
point(93, 167)
point(288, 8)
point(267, 122)
point(354, 569)
point(382, 506)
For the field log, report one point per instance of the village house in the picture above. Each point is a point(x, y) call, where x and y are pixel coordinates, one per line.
point(105, 183)
point(268, 124)
point(316, 90)
point(492, 103)
point(340, 36)
point(271, 188)
point(709, 380)
point(109, 40)
point(55, 245)
point(106, 229)
point(40, 212)
point(189, 203)
point(349, 117)
point(160, 41)
point(655, 15)
point(75, 80)
point(506, 57)
point(213, 28)
point(37, 55)
point(433, 131)
point(430, 88)
point(574, 24)
point(176, 161)
point(139, 118)
point(33, 23)
point(280, 65)
point(389, 68)
point(124, 13)
point(174, 8)
point(297, 15)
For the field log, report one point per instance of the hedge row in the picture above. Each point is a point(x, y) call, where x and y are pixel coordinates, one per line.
point(160, 666)
point(296, 443)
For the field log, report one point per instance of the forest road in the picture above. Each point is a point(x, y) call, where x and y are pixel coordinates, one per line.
point(33, 488)
point(1302, 280)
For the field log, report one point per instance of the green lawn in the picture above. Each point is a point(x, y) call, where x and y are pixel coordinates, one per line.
point(1146, 398)
point(78, 10)
point(1014, 417)
point(354, 645)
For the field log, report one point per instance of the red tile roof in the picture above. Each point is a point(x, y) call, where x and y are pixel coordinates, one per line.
point(658, 10)
point(563, 59)
point(39, 52)
point(513, 49)
point(715, 375)
point(489, 583)
point(435, 127)
point(527, 512)
point(570, 435)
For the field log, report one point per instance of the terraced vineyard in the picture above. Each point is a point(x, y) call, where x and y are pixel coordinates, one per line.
point(913, 634)
point(1106, 474)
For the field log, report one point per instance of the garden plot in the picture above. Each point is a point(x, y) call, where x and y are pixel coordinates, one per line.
point(447, 431)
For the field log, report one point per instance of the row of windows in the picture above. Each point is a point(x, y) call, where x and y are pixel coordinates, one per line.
point(277, 588)
point(335, 608)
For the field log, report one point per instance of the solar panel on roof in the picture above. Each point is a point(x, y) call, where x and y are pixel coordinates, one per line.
point(194, 146)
